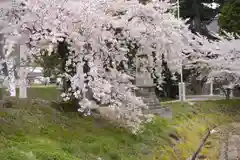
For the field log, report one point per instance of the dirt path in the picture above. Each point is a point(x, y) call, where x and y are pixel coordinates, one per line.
point(231, 146)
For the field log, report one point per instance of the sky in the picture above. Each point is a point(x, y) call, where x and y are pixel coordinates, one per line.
point(211, 5)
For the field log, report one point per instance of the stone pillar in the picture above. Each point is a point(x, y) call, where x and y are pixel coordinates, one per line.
point(211, 88)
point(182, 91)
point(231, 93)
point(22, 73)
point(11, 77)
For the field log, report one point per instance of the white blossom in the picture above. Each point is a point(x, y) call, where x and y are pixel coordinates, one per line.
point(109, 29)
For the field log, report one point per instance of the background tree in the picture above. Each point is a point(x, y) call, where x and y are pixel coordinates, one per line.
point(49, 62)
point(229, 18)
point(222, 64)
point(199, 14)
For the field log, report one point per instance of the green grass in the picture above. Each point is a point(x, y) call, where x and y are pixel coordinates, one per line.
point(40, 92)
point(48, 93)
point(35, 132)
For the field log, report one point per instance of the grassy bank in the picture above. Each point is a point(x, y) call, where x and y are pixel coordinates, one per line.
point(36, 132)
point(192, 123)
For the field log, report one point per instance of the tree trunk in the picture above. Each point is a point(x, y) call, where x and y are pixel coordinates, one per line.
point(196, 20)
point(227, 93)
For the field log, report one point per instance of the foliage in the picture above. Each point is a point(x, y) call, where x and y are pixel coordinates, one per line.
point(169, 86)
point(49, 62)
point(205, 13)
point(229, 18)
point(199, 13)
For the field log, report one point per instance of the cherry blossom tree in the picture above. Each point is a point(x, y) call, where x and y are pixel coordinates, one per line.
point(220, 62)
point(98, 41)
point(226, 66)
point(90, 43)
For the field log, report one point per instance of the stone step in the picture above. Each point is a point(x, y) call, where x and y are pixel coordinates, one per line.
point(148, 95)
point(150, 102)
point(153, 105)
point(151, 99)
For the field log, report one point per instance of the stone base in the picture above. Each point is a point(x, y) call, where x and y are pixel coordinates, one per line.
point(149, 96)
point(150, 99)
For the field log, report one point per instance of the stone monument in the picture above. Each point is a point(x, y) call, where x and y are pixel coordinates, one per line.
point(146, 88)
